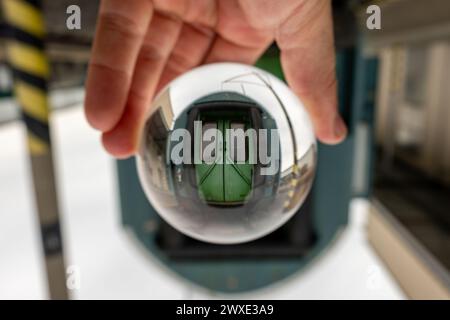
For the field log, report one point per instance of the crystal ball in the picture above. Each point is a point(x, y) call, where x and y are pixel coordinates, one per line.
point(227, 153)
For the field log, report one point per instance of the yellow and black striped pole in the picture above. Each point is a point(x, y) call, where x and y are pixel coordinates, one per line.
point(26, 55)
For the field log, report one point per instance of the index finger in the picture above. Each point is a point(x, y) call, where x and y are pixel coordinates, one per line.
point(121, 28)
point(306, 41)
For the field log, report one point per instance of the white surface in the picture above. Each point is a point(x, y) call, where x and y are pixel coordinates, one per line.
point(110, 265)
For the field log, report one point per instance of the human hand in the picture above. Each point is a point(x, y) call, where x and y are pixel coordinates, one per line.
point(141, 45)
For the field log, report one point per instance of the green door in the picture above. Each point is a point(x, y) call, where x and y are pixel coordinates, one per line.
point(226, 177)
point(237, 170)
point(210, 172)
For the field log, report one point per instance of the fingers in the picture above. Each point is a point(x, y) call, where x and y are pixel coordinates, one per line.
point(227, 51)
point(189, 51)
point(120, 31)
point(237, 41)
point(200, 12)
point(308, 60)
point(196, 36)
point(159, 41)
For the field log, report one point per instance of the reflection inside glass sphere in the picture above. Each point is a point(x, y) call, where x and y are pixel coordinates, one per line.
point(227, 154)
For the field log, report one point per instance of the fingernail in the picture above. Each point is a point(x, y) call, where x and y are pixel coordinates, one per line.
point(340, 129)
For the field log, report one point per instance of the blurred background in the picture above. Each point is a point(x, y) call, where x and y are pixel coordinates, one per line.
point(74, 222)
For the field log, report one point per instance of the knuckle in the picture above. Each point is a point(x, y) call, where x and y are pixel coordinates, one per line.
point(151, 53)
point(179, 62)
point(121, 25)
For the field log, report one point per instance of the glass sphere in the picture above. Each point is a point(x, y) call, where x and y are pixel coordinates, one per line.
point(227, 154)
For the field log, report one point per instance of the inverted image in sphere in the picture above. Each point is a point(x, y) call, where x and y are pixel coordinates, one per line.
point(227, 154)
